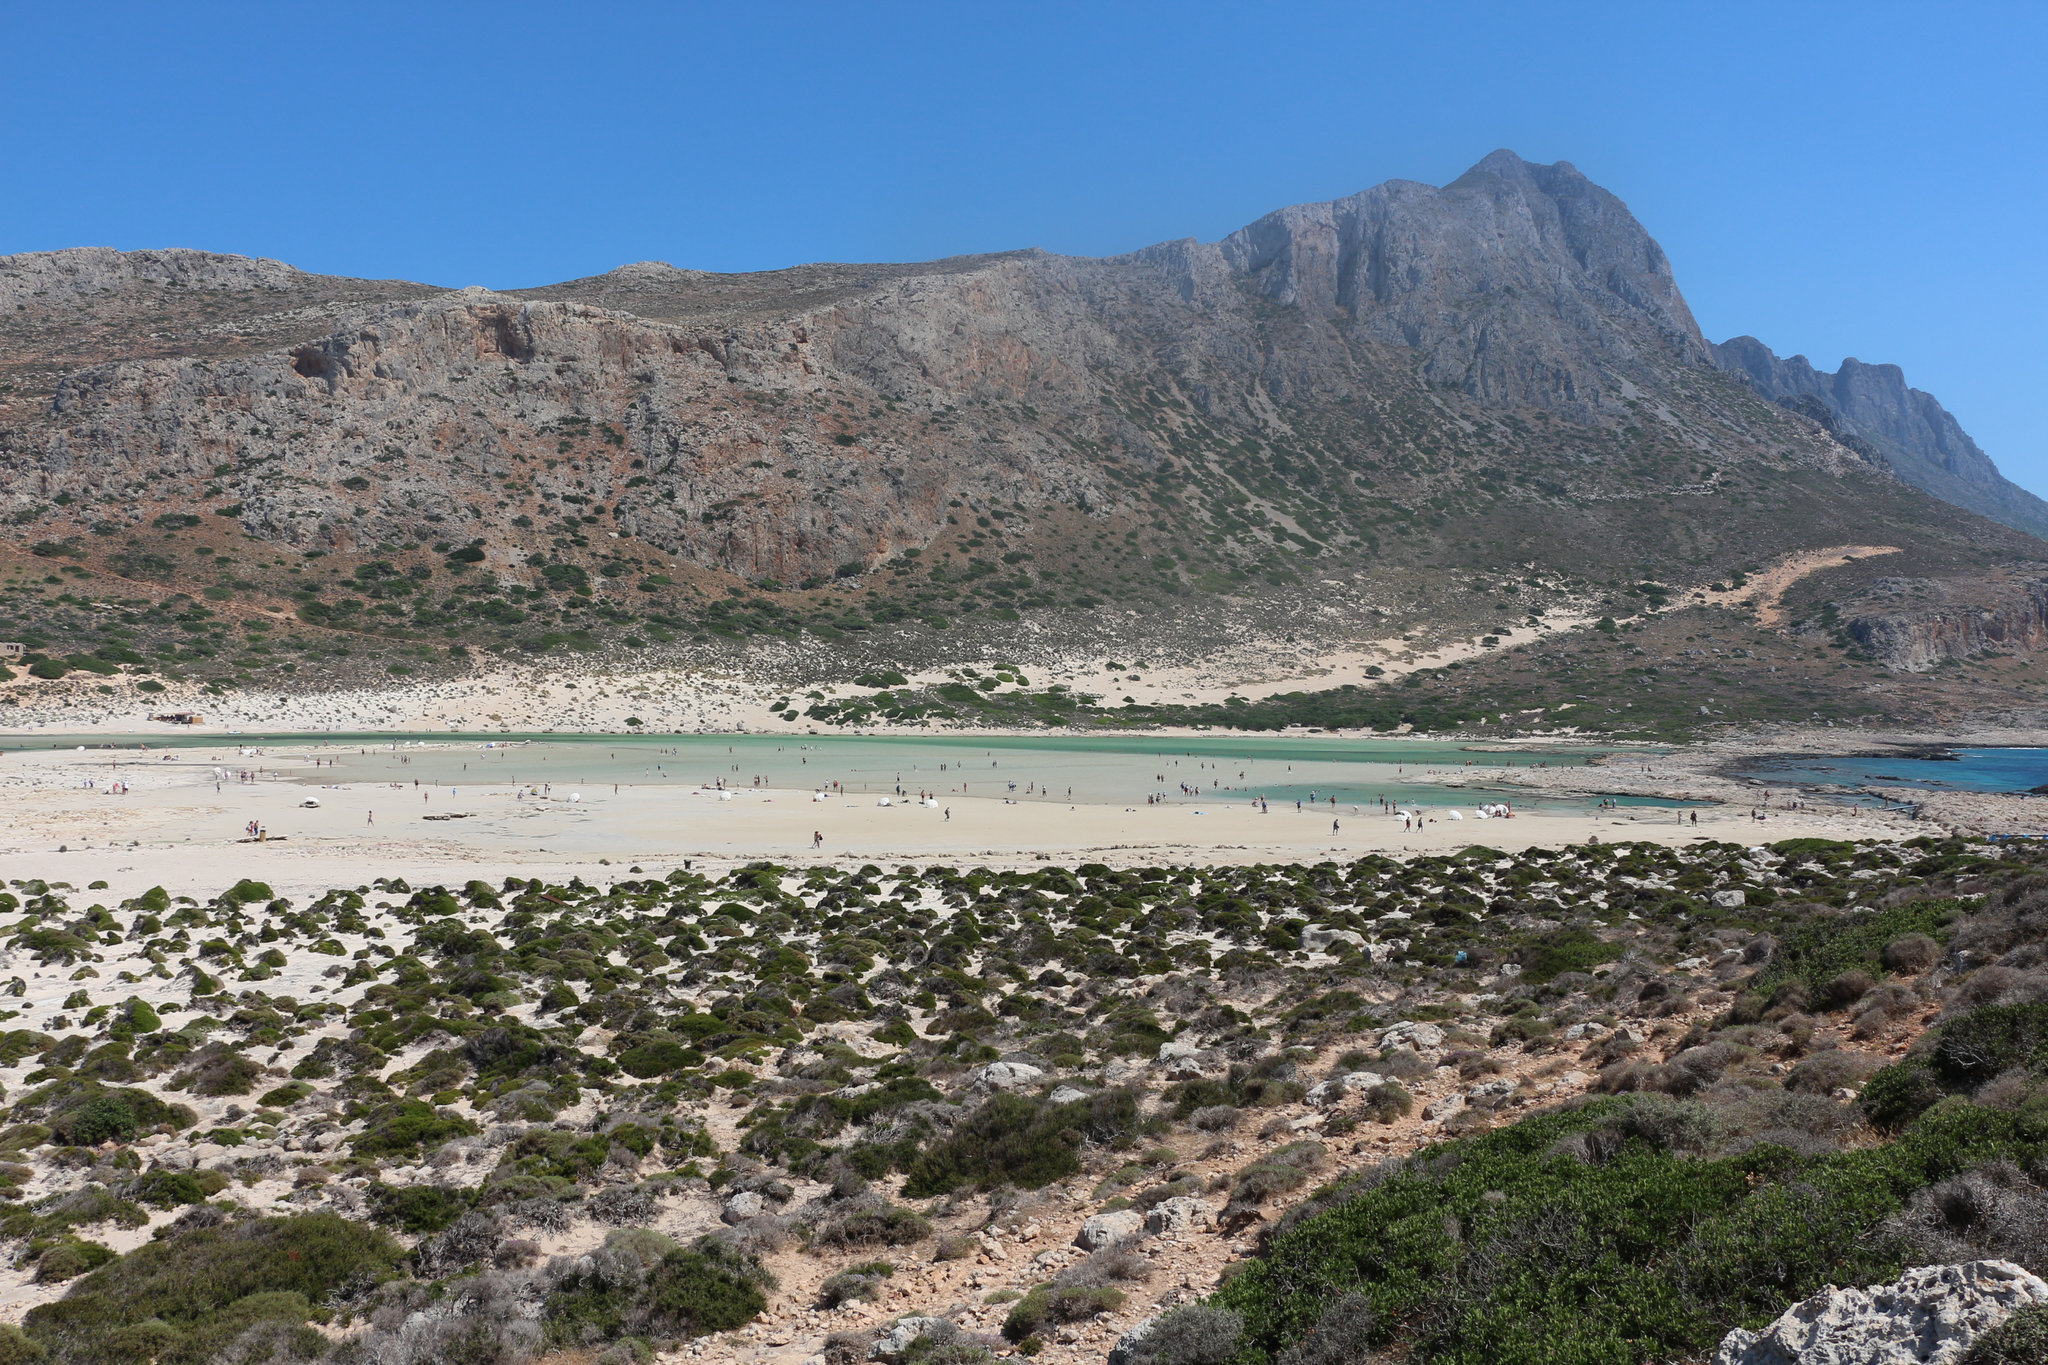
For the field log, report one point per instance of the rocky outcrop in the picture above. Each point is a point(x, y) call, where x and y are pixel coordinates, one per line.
point(894, 1345)
point(1871, 405)
point(1914, 624)
point(1928, 1316)
point(1107, 1229)
point(82, 272)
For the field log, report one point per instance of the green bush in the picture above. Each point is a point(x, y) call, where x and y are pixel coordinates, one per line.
point(167, 1189)
point(286, 1095)
point(1565, 950)
point(695, 1292)
point(98, 1119)
point(1967, 1051)
point(84, 1113)
point(1052, 1304)
point(69, 1257)
point(1017, 1141)
point(1816, 949)
point(688, 1293)
point(885, 1226)
point(179, 1301)
point(650, 1060)
point(402, 1127)
point(2021, 1339)
point(1388, 1101)
point(1987, 1041)
point(1520, 1245)
point(417, 1208)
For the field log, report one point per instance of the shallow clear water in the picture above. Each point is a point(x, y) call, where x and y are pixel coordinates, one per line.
point(1121, 769)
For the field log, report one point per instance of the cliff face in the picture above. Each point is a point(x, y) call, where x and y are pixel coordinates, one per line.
point(1912, 625)
point(1516, 283)
point(1919, 438)
point(405, 427)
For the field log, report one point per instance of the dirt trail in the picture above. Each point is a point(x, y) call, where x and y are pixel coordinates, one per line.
point(1764, 589)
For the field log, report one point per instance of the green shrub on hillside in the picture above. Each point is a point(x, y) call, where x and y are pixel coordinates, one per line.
point(85, 1113)
point(16, 1347)
point(1023, 1142)
point(1959, 1055)
point(403, 1127)
point(417, 1208)
point(1989, 1041)
point(1566, 950)
point(180, 1300)
point(1817, 948)
point(1587, 1236)
point(688, 1293)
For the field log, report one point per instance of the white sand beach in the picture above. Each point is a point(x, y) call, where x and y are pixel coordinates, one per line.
point(181, 819)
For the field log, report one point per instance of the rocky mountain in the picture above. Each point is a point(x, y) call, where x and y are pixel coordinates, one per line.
point(1417, 411)
point(1872, 407)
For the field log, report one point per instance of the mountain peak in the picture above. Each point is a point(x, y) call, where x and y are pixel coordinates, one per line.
point(1499, 279)
point(1504, 163)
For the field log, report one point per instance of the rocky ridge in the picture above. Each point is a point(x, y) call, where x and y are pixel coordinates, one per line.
point(1872, 406)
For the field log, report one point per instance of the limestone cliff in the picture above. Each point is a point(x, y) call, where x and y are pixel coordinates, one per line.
point(1914, 624)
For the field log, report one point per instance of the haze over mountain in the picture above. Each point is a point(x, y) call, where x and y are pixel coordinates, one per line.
point(1414, 411)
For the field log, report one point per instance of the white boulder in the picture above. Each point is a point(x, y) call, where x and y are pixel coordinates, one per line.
point(1106, 1229)
point(1004, 1076)
point(1928, 1316)
point(1443, 1108)
point(1417, 1036)
point(895, 1343)
point(1126, 1349)
point(1178, 1214)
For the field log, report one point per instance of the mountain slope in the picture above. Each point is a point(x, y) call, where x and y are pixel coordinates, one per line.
point(1417, 411)
point(1918, 437)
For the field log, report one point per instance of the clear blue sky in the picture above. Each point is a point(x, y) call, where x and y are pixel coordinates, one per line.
point(1837, 179)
